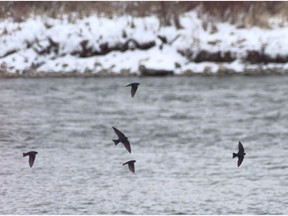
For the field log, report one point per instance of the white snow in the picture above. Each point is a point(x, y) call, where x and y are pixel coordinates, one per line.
point(69, 33)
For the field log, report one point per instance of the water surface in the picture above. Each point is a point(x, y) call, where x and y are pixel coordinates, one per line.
point(182, 130)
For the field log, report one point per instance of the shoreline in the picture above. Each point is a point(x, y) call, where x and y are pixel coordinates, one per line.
point(39, 75)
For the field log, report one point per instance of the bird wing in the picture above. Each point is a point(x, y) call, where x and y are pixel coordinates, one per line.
point(128, 85)
point(240, 159)
point(119, 133)
point(31, 160)
point(131, 167)
point(127, 145)
point(240, 147)
point(133, 90)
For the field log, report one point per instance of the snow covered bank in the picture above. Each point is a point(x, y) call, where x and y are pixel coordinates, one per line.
point(122, 44)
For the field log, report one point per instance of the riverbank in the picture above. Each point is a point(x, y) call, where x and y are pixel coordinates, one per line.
point(103, 74)
point(121, 46)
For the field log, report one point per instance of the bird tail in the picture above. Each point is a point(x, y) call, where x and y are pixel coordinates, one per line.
point(116, 141)
point(25, 154)
point(234, 155)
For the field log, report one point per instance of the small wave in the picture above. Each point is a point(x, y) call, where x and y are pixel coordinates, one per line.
point(277, 167)
point(125, 213)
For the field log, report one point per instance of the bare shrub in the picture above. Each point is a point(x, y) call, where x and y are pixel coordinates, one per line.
point(243, 14)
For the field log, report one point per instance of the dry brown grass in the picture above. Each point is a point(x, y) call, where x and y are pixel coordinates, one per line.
point(243, 14)
point(247, 14)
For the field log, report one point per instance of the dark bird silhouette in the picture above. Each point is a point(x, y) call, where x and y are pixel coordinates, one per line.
point(240, 154)
point(134, 87)
point(32, 155)
point(122, 138)
point(130, 165)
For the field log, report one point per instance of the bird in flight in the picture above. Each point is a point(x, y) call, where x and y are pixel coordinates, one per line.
point(130, 165)
point(32, 155)
point(122, 138)
point(240, 154)
point(134, 87)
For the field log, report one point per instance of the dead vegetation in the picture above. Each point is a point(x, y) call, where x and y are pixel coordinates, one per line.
point(243, 14)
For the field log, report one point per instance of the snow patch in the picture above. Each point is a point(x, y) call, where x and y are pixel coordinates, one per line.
point(21, 42)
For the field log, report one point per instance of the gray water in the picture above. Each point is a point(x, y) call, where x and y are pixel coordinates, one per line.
point(182, 131)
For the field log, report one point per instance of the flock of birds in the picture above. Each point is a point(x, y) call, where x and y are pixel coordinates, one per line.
point(122, 138)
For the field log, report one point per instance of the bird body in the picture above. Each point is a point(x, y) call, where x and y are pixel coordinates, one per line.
point(134, 87)
point(122, 138)
point(131, 165)
point(241, 153)
point(32, 156)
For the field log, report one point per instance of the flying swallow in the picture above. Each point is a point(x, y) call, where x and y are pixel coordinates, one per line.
point(32, 155)
point(122, 138)
point(240, 154)
point(134, 87)
point(130, 165)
